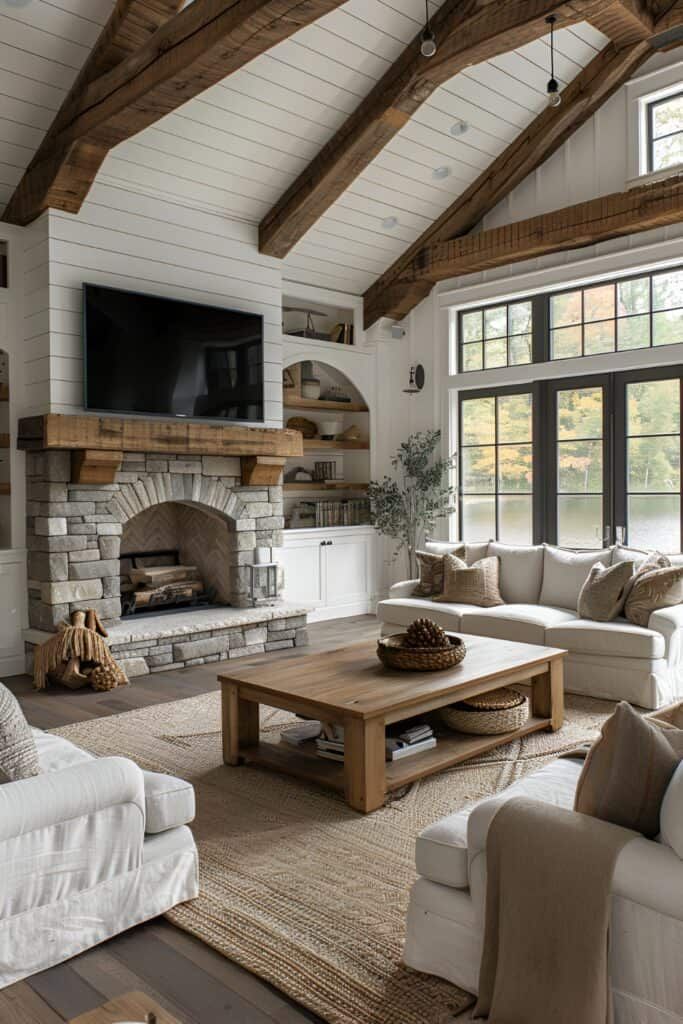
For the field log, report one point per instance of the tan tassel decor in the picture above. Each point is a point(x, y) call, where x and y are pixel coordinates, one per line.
point(77, 656)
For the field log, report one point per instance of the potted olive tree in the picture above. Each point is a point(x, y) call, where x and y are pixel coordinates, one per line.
point(407, 505)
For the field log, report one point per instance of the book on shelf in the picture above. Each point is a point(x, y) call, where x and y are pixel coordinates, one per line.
point(302, 732)
point(411, 748)
point(412, 740)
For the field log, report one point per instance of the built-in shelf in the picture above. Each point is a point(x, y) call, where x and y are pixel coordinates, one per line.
point(5, 488)
point(318, 445)
point(4, 441)
point(296, 402)
point(326, 485)
point(4, 392)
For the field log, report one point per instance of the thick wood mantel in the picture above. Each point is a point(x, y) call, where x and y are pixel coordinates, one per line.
point(259, 447)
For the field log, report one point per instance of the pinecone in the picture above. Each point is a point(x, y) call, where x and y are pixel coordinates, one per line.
point(425, 633)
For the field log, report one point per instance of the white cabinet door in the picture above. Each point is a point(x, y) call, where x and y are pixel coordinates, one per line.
point(302, 564)
point(346, 570)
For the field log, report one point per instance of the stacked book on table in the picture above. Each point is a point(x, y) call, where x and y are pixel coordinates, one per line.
point(403, 740)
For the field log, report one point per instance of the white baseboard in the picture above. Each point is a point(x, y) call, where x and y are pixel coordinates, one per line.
point(344, 611)
point(12, 665)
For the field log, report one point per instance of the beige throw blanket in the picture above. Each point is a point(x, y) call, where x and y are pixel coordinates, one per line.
point(549, 873)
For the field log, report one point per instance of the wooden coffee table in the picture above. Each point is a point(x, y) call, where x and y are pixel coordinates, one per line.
point(351, 688)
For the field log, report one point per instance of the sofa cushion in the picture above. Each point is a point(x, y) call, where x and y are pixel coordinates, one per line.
point(652, 591)
point(169, 802)
point(401, 611)
point(671, 813)
point(56, 753)
point(445, 547)
point(521, 572)
point(615, 639)
point(603, 595)
point(441, 851)
point(526, 623)
point(18, 755)
point(565, 572)
point(627, 773)
point(471, 584)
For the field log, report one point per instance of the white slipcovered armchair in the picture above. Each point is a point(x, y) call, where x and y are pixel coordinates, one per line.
point(88, 848)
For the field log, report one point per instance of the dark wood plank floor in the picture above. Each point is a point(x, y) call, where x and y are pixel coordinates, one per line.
point(196, 984)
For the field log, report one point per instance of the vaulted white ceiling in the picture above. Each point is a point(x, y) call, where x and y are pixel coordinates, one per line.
point(237, 147)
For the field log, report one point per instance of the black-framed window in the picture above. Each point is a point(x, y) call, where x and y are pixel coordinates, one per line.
point(634, 312)
point(665, 133)
point(495, 336)
point(640, 311)
point(603, 465)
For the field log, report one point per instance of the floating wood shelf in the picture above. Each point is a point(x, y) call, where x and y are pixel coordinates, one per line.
point(5, 488)
point(297, 402)
point(326, 485)
point(318, 445)
point(4, 392)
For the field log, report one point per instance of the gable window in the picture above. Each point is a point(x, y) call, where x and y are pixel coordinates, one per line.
point(665, 133)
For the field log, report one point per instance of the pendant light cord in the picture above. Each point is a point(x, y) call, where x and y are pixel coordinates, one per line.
point(551, 19)
point(427, 25)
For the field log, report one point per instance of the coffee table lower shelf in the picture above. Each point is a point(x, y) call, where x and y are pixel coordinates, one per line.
point(451, 749)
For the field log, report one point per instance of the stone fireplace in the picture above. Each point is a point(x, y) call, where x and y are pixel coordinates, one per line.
point(186, 509)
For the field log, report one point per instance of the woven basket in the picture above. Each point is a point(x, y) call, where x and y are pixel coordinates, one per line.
point(489, 714)
point(393, 652)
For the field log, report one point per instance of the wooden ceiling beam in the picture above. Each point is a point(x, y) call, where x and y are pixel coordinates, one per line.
point(580, 99)
point(598, 220)
point(623, 21)
point(467, 33)
point(196, 48)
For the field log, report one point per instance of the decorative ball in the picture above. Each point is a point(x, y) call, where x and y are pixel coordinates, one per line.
point(425, 633)
point(106, 678)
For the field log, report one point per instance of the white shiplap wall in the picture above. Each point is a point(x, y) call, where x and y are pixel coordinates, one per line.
point(126, 240)
point(36, 317)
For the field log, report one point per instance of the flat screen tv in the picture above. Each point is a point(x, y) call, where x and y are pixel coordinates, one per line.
point(163, 357)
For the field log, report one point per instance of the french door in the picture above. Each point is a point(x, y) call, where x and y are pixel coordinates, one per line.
point(582, 462)
point(579, 496)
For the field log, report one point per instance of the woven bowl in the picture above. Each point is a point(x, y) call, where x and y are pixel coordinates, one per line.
point(489, 714)
point(394, 652)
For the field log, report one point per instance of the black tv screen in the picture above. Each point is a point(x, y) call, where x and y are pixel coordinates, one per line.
point(163, 357)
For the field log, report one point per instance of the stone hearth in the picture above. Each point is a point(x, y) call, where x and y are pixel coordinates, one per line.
point(162, 642)
point(74, 530)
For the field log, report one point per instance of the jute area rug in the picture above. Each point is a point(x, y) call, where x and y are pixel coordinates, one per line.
point(295, 886)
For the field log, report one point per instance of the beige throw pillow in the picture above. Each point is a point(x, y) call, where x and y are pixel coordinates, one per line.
point(627, 773)
point(475, 584)
point(18, 751)
point(659, 588)
point(431, 572)
point(604, 592)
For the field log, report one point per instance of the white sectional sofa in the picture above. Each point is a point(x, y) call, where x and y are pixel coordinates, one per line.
point(540, 586)
point(88, 848)
point(447, 903)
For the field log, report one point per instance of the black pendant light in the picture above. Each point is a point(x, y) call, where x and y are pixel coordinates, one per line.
point(428, 44)
point(554, 95)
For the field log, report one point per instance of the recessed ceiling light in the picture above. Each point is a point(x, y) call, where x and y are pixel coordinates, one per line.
point(440, 173)
point(459, 127)
point(389, 223)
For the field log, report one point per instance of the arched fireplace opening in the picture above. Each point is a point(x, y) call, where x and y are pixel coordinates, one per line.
point(175, 556)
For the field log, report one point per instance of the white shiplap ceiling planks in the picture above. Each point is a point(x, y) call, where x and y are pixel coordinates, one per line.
point(237, 147)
